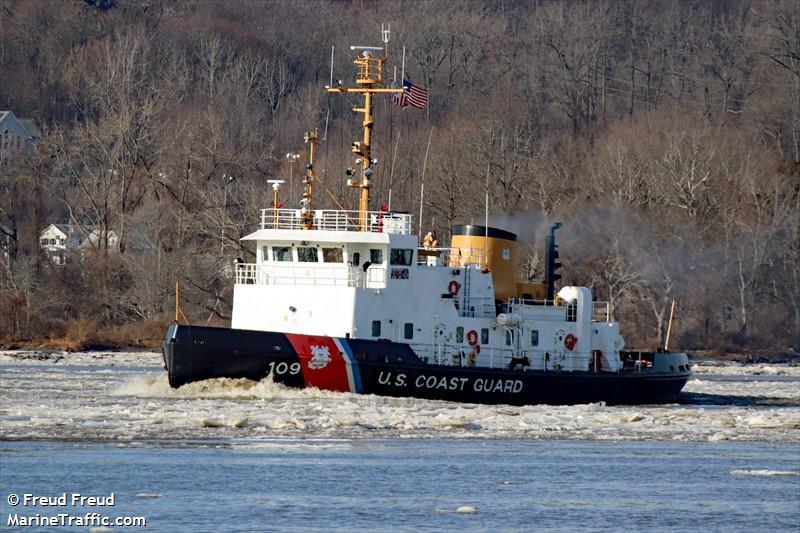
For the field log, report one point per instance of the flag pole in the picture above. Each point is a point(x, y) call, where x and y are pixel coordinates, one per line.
point(669, 326)
point(403, 67)
point(422, 187)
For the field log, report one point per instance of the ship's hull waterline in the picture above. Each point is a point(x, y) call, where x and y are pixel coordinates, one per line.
point(196, 353)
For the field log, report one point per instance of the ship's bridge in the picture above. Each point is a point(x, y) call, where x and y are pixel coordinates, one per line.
point(337, 253)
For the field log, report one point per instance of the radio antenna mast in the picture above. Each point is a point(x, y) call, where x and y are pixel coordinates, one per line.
point(306, 204)
point(369, 81)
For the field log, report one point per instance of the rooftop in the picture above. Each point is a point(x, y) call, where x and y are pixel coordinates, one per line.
point(336, 220)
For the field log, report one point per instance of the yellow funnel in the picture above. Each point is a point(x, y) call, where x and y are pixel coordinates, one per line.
point(494, 249)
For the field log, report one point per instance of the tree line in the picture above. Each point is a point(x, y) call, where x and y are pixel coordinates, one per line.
point(664, 135)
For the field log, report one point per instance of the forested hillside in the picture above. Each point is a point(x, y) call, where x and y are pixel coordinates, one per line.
point(664, 135)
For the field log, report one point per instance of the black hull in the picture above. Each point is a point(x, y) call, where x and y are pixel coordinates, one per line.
point(194, 353)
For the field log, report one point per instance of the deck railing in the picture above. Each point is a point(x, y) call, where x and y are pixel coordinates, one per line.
point(451, 257)
point(336, 220)
point(601, 311)
point(309, 274)
point(504, 357)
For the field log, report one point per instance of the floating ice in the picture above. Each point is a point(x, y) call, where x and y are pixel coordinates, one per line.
point(764, 473)
point(125, 397)
point(745, 369)
point(466, 509)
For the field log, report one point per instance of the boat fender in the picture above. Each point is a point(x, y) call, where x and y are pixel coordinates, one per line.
point(453, 287)
point(570, 341)
point(472, 337)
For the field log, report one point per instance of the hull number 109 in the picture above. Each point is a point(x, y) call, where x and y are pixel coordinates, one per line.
point(283, 368)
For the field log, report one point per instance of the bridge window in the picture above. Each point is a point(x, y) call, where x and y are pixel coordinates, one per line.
point(332, 255)
point(534, 337)
point(281, 253)
point(402, 256)
point(376, 328)
point(408, 330)
point(459, 334)
point(306, 254)
point(375, 256)
point(484, 336)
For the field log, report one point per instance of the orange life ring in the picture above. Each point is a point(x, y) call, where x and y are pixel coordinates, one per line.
point(453, 287)
point(570, 341)
point(472, 337)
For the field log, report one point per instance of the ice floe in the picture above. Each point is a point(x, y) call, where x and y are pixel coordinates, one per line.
point(125, 397)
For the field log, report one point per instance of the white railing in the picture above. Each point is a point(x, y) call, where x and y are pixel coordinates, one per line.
point(501, 357)
point(515, 304)
point(310, 274)
point(544, 310)
point(451, 257)
point(601, 312)
point(336, 220)
point(476, 307)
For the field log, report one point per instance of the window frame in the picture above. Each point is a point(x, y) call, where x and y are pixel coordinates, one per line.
point(406, 259)
point(306, 259)
point(284, 248)
point(408, 330)
point(338, 252)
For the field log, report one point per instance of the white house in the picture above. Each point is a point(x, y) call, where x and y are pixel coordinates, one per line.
point(16, 133)
point(93, 240)
point(59, 240)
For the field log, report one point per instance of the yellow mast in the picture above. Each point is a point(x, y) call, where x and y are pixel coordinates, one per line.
point(307, 211)
point(370, 76)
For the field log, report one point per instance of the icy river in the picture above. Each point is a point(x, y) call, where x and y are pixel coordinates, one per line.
point(245, 456)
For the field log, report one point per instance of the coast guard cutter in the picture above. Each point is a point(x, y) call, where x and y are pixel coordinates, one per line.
point(351, 301)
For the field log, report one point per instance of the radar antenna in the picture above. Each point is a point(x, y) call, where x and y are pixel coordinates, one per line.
point(276, 185)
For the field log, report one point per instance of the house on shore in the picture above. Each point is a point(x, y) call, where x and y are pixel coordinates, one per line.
point(16, 134)
point(59, 241)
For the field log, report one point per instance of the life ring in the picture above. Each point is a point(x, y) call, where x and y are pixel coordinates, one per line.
point(472, 337)
point(570, 341)
point(453, 287)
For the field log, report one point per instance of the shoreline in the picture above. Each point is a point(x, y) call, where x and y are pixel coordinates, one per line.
point(62, 346)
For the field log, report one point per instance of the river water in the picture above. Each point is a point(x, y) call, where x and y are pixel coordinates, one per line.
point(245, 456)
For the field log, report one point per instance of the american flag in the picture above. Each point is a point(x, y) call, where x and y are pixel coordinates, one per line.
point(414, 96)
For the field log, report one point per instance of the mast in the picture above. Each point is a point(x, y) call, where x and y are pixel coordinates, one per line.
point(306, 204)
point(368, 82)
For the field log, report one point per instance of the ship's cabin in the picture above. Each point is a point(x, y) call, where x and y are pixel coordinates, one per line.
point(333, 253)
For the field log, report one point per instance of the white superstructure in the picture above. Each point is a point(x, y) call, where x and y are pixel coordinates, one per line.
point(336, 280)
